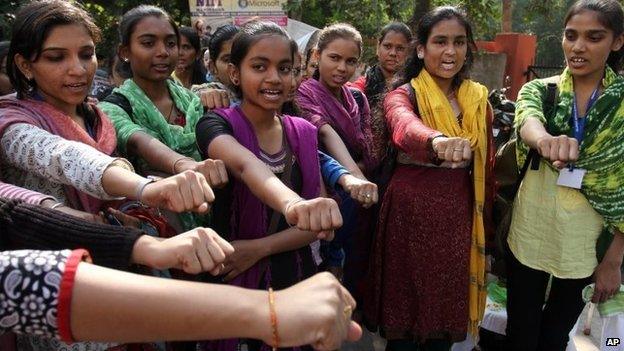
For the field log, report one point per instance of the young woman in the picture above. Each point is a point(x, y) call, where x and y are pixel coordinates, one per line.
point(337, 53)
point(52, 141)
point(334, 174)
point(428, 269)
point(219, 93)
point(167, 144)
point(155, 117)
point(392, 49)
point(580, 141)
point(158, 134)
point(344, 132)
point(269, 252)
point(55, 143)
point(189, 70)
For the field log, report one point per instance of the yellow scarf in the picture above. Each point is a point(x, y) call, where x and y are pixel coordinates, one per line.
point(437, 113)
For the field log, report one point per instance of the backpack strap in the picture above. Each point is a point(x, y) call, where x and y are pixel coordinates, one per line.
point(121, 101)
point(549, 107)
point(550, 101)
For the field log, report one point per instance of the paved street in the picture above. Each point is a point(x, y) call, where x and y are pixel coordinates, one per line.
point(579, 341)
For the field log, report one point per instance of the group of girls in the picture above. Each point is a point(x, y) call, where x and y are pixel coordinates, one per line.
point(414, 132)
point(58, 143)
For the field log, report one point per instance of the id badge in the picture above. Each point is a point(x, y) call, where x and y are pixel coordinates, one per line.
point(571, 178)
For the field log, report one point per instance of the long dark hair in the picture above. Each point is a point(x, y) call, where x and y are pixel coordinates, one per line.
point(397, 27)
point(375, 80)
point(220, 36)
point(610, 15)
point(33, 23)
point(199, 73)
point(129, 22)
point(414, 65)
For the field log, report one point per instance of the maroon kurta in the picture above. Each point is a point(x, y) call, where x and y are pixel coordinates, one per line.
point(420, 256)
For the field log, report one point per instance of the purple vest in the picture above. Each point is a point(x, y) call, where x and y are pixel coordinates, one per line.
point(249, 215)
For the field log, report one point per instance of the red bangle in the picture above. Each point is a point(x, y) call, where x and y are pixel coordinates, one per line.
point(273, 319)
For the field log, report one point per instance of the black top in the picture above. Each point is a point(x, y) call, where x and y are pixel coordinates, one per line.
point(285, 267)
point(25, 226)
point(210, 126)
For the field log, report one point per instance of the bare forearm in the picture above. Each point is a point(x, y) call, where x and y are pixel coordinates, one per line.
point(615, 253)
point(118, 181)
point(338, 150)
point(157, 155)
point(109, 305)
point(286, 240)
point(266, 186)
point(245, 166)
point(532, 130)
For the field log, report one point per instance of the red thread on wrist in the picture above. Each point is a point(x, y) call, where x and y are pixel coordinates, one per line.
point(273, 319)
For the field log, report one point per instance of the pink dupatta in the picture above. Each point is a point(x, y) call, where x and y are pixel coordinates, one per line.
point(49, 118)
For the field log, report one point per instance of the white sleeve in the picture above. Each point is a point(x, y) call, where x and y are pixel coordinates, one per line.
point(59, 160)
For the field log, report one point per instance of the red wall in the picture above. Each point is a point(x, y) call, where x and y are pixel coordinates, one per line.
point(520, 50)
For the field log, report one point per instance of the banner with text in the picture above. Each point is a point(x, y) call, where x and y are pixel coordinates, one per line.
point(215, 13)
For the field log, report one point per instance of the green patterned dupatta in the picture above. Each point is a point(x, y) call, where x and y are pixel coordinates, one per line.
point(147, 118)
point(602, 149)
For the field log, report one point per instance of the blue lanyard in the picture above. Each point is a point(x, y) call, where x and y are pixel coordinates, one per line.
point(578, 122)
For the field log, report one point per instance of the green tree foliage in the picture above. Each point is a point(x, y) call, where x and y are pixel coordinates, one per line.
point(543, 18)
point(369, 16)
point(106, 15)
point(540, 17)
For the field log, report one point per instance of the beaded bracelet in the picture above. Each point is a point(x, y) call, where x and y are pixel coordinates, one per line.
point(273, 319)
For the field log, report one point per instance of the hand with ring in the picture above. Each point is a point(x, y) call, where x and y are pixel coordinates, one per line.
point(361, 190)
point(455, 151)
point(316, 312)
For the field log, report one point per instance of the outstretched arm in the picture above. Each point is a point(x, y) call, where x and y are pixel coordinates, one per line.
point(112, 305)
point(242, 164)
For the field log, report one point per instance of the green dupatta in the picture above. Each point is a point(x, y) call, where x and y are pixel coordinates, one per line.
point(602, 149)
point(148, 119)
